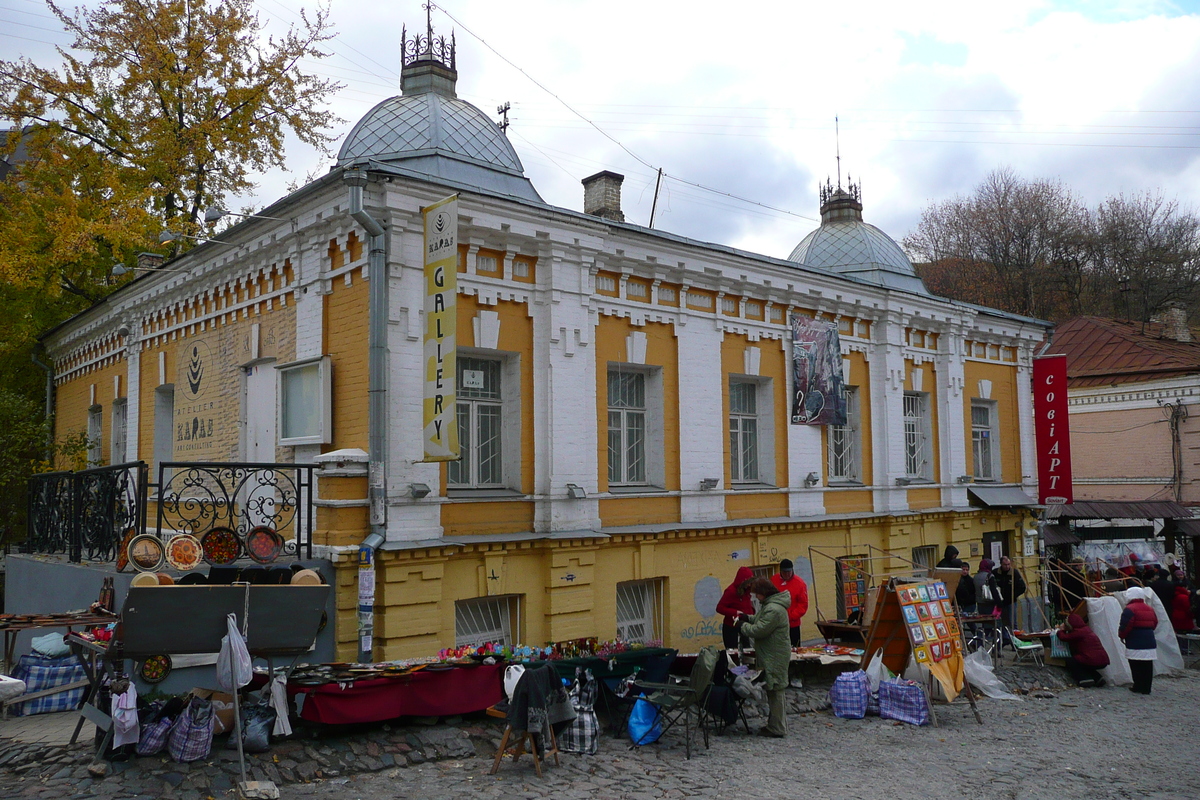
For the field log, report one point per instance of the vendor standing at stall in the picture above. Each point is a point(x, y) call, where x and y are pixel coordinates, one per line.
point(772, 649)
point(788, 581)
point(1012, 586)
point(735, 601)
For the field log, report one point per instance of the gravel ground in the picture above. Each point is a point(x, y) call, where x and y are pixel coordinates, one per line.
point(1088, 744)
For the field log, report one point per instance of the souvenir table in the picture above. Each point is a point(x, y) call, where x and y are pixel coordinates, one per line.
point(828, 654)
point(835, 630)
point(618, 666)
point(12, 624)
point(425, 691)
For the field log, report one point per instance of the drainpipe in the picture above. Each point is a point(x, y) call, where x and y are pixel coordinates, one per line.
point(49, 405)
point(377, 352)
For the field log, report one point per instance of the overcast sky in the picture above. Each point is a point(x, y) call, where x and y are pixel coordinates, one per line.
point(741, 98)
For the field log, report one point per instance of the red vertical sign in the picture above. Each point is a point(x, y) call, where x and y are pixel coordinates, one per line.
point(1051, 430)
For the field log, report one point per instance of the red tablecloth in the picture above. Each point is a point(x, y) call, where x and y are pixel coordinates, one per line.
point(421, 694)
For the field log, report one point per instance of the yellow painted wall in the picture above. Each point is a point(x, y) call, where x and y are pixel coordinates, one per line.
point(72, 401)
point(1004, 392)
point(847, 502)
point(461, 517)
point(345, 342)
point(618, 511)
point(756, 505)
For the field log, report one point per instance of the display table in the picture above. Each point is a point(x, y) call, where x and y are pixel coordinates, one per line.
point(12, 624)
point(423, 693)
point(604, 667)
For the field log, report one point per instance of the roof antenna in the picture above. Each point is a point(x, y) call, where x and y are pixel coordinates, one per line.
point(837, 139)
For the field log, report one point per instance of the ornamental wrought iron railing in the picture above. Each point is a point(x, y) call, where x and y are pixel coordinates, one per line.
point(196, 497)
point(86, 514)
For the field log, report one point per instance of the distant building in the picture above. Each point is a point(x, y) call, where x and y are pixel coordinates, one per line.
point(9, 161)
point(624, 404)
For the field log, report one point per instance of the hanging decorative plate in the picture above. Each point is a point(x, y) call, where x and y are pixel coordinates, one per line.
point(155, 669)
point(221, 546)
point(263, 544)
point(184, 552)
point(123, 550)
point(145, 552)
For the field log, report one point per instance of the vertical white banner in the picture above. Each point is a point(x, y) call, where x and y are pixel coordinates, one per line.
point(441, 321)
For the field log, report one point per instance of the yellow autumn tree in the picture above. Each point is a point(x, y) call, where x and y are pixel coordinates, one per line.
point(159, 109)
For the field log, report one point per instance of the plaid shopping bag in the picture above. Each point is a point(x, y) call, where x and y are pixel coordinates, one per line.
point(41, 673)
point(1058, 648)
point(583, 734)
point(904, 701)
point(154, 736)
point(190, 738)
point(850, 694)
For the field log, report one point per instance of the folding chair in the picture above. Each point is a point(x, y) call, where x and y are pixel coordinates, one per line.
point(673, 702)
point(656, 670)
point(723, 679)
point(1026, 651)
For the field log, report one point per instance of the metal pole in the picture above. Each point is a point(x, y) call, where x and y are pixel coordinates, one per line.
point(654, 205)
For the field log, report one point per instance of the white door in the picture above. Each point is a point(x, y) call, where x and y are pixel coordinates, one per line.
point(259, 500)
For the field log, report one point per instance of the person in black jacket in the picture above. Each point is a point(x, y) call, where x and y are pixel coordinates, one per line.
point(964, 595)
point(1012, 586)
point(950, 558)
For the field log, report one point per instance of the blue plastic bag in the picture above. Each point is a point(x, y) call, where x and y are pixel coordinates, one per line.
point(645, 725)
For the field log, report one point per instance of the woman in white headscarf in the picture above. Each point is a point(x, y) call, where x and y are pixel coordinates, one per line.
point(1136, 630)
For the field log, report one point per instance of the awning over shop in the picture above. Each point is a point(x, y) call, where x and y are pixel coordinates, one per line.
point(1117, 510)
point(1188, 527)
point(1059, 534)
point(999, 497)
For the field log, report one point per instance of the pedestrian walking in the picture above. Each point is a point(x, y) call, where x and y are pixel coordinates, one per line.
point(1136, 630)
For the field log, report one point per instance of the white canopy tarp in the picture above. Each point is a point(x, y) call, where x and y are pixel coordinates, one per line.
point(1104, 618)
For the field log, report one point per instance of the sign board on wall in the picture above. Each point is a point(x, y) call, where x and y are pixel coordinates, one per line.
point(441, 321)
point(1052, 431)
point(817, 395)
point(200, 414)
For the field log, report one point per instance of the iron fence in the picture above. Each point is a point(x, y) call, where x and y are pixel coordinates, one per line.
point(87, 512)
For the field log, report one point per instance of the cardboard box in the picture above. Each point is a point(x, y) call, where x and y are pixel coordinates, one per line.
point(222, 709)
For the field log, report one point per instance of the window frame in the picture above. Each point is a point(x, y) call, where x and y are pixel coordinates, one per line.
point(921, 431)
point(95, 435)
point(653, 595)
point(509, 618)
point(469, 444)
point(853, 430)
point(118, 442)
point(737, 461)
point(654, 475)
point(992, 431)
point(324, 366)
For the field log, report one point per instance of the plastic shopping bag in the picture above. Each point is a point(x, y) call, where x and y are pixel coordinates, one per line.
point(645, 725)
point(233, 662)
point(977, 667)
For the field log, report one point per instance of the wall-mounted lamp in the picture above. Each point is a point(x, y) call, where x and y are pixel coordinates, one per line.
point(576, 492)
point(811, 480)
point(903, 481)
point(963, 479)
point(419, 490)
point(708, 484)
point(214, 213)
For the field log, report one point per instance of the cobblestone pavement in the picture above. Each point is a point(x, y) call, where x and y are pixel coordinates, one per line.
point(1064, 744)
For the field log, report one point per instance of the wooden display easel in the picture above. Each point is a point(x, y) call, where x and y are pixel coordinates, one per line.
point(888, 633)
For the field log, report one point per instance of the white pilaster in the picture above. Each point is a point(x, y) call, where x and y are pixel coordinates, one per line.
point(701, 421)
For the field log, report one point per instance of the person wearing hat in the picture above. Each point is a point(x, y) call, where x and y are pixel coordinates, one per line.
point(1088, 655)
point(1136, 630)
point(788, 581)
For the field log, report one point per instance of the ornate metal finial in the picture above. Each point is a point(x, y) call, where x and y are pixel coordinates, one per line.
point(427, 47)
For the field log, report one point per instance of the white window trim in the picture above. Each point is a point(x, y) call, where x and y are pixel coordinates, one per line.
point(510, 419)
point(325, 419)
point(95, 435)
point(926, 431)
point(656, 475)
point(118, 444)
point(164, 426)
point(854, 424)
point(764, 412)
point(993, 435)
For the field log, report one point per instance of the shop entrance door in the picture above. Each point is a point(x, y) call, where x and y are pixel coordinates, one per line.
point(995, 545)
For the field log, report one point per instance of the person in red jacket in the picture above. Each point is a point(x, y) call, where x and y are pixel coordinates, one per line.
point(1180, 609)
point(736, 600)
point(1087, 653)
point(1136, 630)
point(787, 580)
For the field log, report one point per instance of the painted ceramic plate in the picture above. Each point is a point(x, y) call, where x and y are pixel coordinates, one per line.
point(155, 669)
point(221, 546)
point(184, 552)
point(123, 550)
point(146, 552)
point(263, 544)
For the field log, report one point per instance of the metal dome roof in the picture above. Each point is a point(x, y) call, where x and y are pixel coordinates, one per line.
point(406, 126)
point(847, 245)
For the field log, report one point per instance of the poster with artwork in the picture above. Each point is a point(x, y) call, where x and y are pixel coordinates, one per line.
point(817, 384)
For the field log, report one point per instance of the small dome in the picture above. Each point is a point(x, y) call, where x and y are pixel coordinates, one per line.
point(847, 245)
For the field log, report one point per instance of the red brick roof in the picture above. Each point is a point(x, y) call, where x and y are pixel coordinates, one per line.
point(1104, 352)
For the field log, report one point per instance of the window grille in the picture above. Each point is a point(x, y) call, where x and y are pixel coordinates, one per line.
point(487, 619)
point(743, 431)
point(843, 442)
point(983, 441)
point(639, 610)
point(480, 414)
point(626, 427)
point(916, 436)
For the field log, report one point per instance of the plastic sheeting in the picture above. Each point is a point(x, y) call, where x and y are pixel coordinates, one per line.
point(1169, 660)
point(978, 668)
point(1104, 618)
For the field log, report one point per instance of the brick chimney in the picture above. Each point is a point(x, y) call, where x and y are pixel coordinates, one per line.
point(149, 260)
point(1174, 319)
point(602, 195)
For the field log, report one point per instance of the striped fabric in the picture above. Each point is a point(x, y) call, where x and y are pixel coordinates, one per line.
point(904, 701)
point(41, 673)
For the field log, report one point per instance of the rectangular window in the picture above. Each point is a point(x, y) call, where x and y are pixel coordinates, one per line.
point(729, 305)
point(844, 458)
point(626, 427)
point(95, 435)
point(480, 415)
point(925, 556)
point(984, 444)
point(305, 401)
point(639, 610)
point(120, 415)
point(164, 425)
point(918, 458)
point(487, 619)
point(666, 294)
point(743, 431)
point(638, 290)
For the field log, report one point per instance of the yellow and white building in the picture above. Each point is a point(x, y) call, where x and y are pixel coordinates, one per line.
point(623, 394)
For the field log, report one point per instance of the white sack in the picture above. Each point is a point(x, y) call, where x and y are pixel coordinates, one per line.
point(1104, 617)
point(283, 727)
point(234, 669)
point(1169, 660)
point(977, 667)
point(125, 718)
